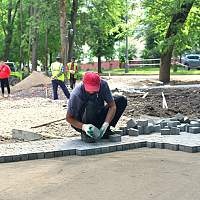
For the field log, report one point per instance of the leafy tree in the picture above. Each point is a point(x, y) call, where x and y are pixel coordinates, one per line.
point(122, 53)
point(168, 19)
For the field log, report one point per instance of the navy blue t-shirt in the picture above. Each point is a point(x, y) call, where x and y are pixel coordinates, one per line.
point(79, 98)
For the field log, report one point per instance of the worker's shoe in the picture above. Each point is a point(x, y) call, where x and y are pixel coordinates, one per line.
point(107, 133)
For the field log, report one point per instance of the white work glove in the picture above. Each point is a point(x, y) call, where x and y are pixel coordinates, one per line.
point(103, 129)
point(91, 130)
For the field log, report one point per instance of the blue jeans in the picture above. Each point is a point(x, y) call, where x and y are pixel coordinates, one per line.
point(55, 84)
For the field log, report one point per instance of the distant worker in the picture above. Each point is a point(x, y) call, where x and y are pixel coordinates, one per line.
point(86, 110)
point(4, 75)
point(58, 78)
point(72, 72)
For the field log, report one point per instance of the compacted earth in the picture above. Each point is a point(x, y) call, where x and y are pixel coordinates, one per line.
point(179, 100)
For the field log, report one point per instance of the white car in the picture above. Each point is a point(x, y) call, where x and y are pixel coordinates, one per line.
point(192, 61)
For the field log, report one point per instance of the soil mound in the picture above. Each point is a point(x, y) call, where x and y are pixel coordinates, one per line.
point(33, 80)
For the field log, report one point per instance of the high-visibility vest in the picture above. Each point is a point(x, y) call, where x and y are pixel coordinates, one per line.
point(56, 69)
point(69, 67)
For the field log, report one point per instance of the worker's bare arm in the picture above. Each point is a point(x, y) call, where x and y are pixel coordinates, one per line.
point(111, 111)
point(70, 119)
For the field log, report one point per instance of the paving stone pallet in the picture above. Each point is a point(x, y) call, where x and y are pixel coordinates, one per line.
point(186, 142)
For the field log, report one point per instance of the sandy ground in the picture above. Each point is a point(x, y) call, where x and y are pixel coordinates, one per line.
point(141, 174)
point(30, 107)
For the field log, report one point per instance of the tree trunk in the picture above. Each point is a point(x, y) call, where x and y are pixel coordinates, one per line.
point(99, 63)
point(165, 66)
point(9, 27)
point(177, 22)
point(73, 33)
point(21, 57)
point(63, 35)
point(46, 49)
point(34, 39)
point(50, 58)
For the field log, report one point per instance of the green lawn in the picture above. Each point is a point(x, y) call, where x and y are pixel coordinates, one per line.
point(149, 70)
point(145, 71)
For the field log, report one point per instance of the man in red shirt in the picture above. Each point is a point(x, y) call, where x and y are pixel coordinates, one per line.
point(4, 75)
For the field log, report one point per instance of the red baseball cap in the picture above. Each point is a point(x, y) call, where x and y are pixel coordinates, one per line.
point(91, 81)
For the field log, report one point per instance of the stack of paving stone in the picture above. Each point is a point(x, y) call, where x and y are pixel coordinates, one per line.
point(172, 126)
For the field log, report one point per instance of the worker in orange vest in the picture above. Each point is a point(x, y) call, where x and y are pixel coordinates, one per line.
point(4, 75)
point(72, 72)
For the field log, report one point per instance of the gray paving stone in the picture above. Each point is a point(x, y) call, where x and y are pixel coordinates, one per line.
point(194, 124)
point(49, 155)
point(142, 123)
point(159, 145)
point(175, 131)
point(132, 146)
point(141, 130)
point(32, 156)
point(126, 147)
point(50, 148)
point(81, 152)
point(143, 144)
point(124, 129)
point(115, 138)
point(188, 149)
point(173, 124)
point(112, 148)
point(98, 150)
point(131, 124)
point(90, 152)
point(179, 117)
point(187, 127)
point(16, 158)
point(165, 131)
point(147, 130)
point(138, 145)
point(119, 147)
point(87, 139)
point(194, 130)
point(182, 127)
point(2, 159)
point(40, 155)
point(24, 157)
point(163, 124)
point(8, 159)
point(151, 144)
point(133, 132)
point(66, 152)
point(105, 149)
point(173, 147)
point(157, 128)
point(58, 153)
point(25, 135)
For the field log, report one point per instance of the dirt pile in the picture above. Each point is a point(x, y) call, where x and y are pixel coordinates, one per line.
point(34, 80)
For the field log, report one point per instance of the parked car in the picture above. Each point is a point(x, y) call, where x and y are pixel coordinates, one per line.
point(192, 61)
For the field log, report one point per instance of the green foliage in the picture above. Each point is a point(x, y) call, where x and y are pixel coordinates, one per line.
point(131, 53)
point(158, 14)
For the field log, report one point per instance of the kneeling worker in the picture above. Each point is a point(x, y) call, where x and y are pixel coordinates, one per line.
point(86, 110)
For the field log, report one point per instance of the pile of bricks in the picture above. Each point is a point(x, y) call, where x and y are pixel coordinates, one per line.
point(172, 126)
